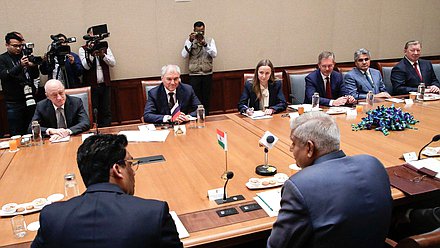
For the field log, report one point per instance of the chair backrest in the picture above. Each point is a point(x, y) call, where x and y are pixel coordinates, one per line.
point(344, 70)
point(147, 86)
point(85, 94)
point(249, 76)
point(424, 240)
point(296, 80)
point(385, 68)
point(436, 67)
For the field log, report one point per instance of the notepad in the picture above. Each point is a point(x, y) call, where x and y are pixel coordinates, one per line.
point(150, 136)
point(270, 201)
point(258, 115)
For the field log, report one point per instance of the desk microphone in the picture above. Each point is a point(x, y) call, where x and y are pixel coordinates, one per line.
point(95, 118)
point(268, 141)
point(229, 175)
point(435, 138)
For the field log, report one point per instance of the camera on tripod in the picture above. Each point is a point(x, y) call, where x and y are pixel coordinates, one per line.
point(28, 49)
point(95, 39)
point(59, 48)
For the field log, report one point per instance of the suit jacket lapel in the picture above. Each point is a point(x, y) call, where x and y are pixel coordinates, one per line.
point(162, 99)
point(411, 68)
point(321, 84)
point(68, 111)
point(52, 118)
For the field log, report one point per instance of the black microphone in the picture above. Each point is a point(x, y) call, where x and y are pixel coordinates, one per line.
point(270, 139)
point(95, 118)
point(435, 138)
point(87, 37)
point(229, 175)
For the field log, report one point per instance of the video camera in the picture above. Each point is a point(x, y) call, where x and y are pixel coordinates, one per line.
point(199, 35)
point(28, 49)
point(96, 41)
point(58, 48)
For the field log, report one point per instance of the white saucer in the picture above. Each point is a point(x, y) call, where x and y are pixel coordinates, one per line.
point(55, 197)
point(34, 226)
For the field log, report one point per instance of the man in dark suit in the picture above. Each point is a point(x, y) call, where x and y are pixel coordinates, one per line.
point(60, 115)
point(411, 70)
point(362, 78)
point(327, 83)
point(106, 214)
point(335, 200)
point(163, 97)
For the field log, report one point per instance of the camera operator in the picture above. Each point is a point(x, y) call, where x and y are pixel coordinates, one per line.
point(200, 50)
point(18, 69)
point(62, 64)
point(96, 58)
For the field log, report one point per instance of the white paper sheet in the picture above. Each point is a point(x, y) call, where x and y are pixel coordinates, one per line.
point(149, 136)
point(258, 115)
point(183, 233)
point(270, 201)
point(429, 163)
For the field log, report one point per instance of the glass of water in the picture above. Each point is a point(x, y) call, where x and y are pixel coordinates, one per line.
point(18, 226)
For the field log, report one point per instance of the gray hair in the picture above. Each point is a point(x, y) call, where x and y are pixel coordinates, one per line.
point(51, 82)
point(169, 68)
point(318, 127)
point(360, 52)
point(411, 43)
point(326, 55)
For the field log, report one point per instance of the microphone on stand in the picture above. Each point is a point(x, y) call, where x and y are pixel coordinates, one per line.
point(95, 118)
point(268, 141)
point(435, 138)
point(229, 175)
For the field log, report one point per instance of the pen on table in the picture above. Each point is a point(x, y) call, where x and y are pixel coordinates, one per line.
point(265, 203)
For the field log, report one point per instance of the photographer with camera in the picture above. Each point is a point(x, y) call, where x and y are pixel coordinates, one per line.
point(96, 58)
point(18, 69)
point(62, 64)
point(200, 50)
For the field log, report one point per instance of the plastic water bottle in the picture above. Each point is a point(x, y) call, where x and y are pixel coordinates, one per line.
point(200, 116)
point(421, 92)
point(370, 100)
point(315, 101)
point(37, 140)
point(70, 186)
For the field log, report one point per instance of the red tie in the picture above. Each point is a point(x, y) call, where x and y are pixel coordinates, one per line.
point(328, 89)
point(417, 70)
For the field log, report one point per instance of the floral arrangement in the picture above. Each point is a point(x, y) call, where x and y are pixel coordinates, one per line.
point(385, 119)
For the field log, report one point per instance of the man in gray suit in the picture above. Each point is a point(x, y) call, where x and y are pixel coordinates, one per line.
point(362, 79)
point(335, 200)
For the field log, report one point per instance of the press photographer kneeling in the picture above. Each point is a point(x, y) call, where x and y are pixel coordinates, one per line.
point(62, 64)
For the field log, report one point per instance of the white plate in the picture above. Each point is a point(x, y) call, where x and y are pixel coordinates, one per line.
point(337, 110)
point(34, 226)
point(431, 151)
point(55, 197)
point(26, 211)
point(4, 144)
point(431, 97)
point(275, 181)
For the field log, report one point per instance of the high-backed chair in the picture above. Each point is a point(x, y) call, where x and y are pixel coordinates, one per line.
point(85, 94)
point(425, 240)
point(249, 76)
point(436, 67)
point(296, 80)
point(344, 69)
point(385, 68)
point(147, 86)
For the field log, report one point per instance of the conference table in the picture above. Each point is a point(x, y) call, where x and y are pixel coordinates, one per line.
point(194, 163)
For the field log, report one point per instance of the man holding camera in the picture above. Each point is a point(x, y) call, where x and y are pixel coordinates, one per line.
point(200, 50)
point(18, 70)
point(62, 64)
point(96, 60)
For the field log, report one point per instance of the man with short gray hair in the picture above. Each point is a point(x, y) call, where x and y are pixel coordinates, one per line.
point(411, 71)
point(362, 78)
point(335, 200)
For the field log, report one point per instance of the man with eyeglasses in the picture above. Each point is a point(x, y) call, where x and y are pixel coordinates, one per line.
point(411, 71)
point(60, 115)
point(107, 214)
point(362, 78)
point(163, 97)
point(327, 82)
point(17, 76)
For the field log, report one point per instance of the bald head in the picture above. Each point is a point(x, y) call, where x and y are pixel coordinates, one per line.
point(55, 92)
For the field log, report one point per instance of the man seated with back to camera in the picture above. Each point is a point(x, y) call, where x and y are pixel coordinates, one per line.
point(335, 200)
point(60, 115)
point(163, 97)
point(328, 83)
point(54, 63)
point(264, 92)
point(107, 214)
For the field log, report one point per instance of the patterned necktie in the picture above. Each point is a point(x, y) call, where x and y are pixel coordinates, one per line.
point(328, 89)
point(418, 72)
point(367, 75)
point(171, 102)
point(61, 121)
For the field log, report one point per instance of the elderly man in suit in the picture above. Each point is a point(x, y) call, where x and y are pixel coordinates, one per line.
point(335, 200)
point(107, 214)
point(163, 97)
point(362, 79)
point(60, 115)
point(411, 71)
point(327, 83)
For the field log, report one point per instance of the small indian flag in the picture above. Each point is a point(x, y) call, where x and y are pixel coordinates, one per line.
point(222, 139)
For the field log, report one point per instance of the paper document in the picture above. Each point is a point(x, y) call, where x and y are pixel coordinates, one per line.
point(84, 136)
point(149, 136)
point(183, 233)
point(258, 115)
point(429, 163)
point(270, 201)
point(307, 107)
point(65, 139)
point(395, 100)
